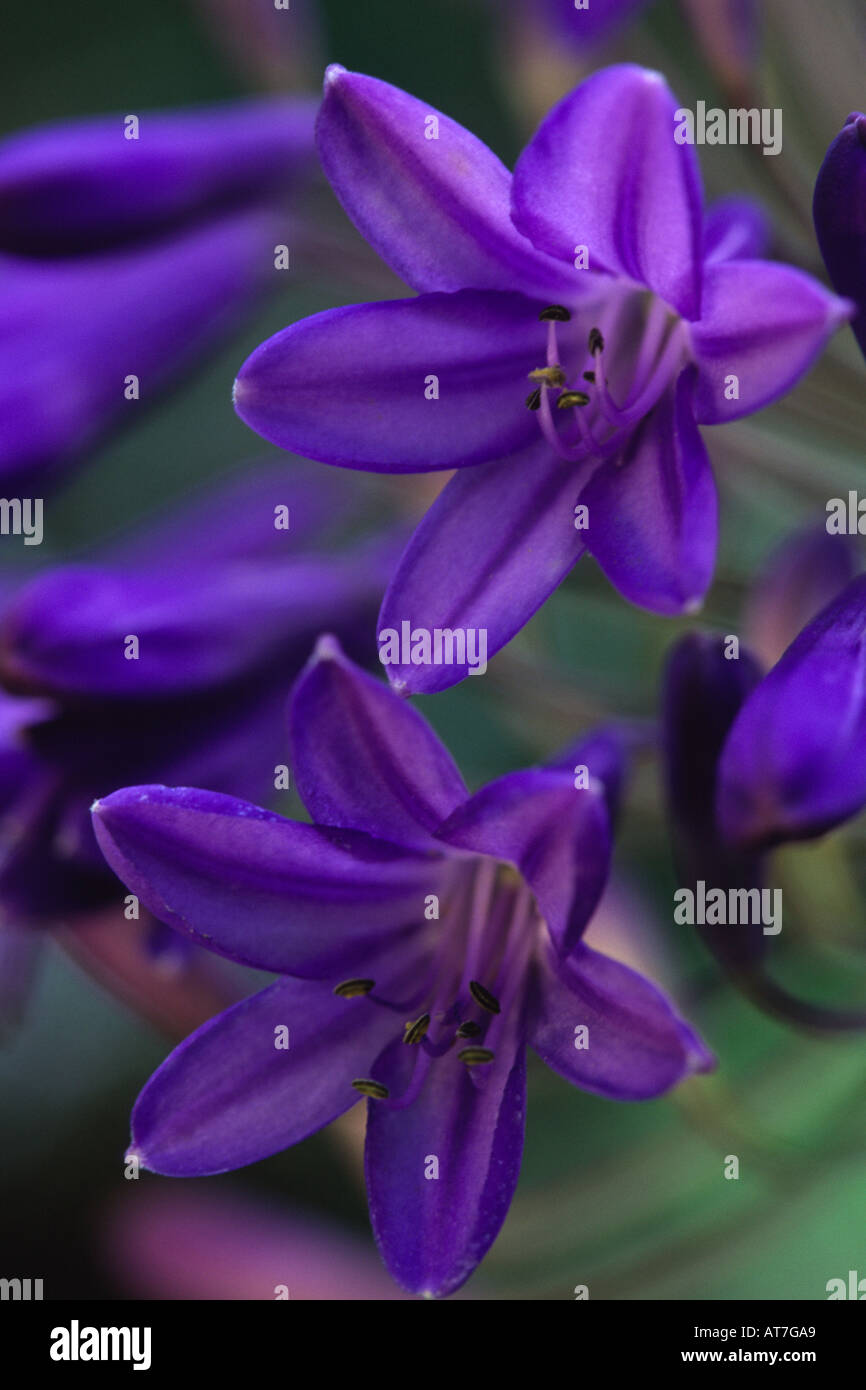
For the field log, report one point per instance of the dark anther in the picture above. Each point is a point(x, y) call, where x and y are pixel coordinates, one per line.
point(350, 988)
point(533, 400)
point(550, 376)
point(596, 341)
point(571, 398)
point(415, 1031)
point(475, 1056)
point(483, 997)
point(555, 313)
point(374, 1089)
point(589, 376)
point(469, 1029)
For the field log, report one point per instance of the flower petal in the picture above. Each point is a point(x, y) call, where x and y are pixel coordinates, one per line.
point(557, 835)
point(636, 1045)
point(494, 545)
point(653, 519)
point(433, 1233)
point(800, 578)
point(363, 759)
point(92, 322)
point(840, 220)
point(604, 171)
point(353, 386)
point(82, 186)
point(794, 764)
point(432, 199)
point(764, 324)
point(230, 1095)
point(259, 889)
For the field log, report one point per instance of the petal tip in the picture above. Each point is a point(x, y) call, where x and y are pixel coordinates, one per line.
point(333, 73)
point(327, 648)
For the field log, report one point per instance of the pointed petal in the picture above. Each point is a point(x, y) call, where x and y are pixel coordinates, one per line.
point(735, 229)
point(604, 171)
point(352, 386)
point(557, 835)
point(464, 572)
point(433, 200)
point(794, 764)
point(637, 1046)
point(364, 759)
point(259, 889)
point(607, 753)
point(763, 323)
point(231, 1095)
point(433, 1232)
point(82, 186)
point(653, 512)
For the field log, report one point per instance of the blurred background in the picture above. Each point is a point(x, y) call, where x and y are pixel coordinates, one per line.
point(630, 1200)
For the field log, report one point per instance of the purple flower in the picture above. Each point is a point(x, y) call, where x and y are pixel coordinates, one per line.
point(424, 936)
point(223, 607)
point(753, 761)
point(839, 210)
point(123, 259)
point(674, 323)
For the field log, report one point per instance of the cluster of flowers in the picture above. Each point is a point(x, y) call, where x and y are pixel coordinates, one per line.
point(423, 936)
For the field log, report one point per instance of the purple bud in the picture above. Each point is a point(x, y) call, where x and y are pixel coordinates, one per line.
point(839, 210)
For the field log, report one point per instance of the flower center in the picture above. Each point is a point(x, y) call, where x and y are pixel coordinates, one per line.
point(475, 980)
point(578, 414)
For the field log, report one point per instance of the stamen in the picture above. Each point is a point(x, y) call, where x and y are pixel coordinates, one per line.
point(533, 400)
point(476, 1056)
point(568, 399)
point(589, 376)
point(549, 376)
point(415, 1031)
point(468, 1029)
point(483, 997)
point(374, 1089)
point(555, 313)
point(349, 989)
point(596, 341)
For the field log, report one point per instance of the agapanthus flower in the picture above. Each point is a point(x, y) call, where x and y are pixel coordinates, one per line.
point(756, 760)
point(222, 604)
point(839, 209)
point(124, 258)
point(424, 937)
point(573, 328)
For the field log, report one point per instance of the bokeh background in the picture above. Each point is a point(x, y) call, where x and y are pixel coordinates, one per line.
point(630, 1200)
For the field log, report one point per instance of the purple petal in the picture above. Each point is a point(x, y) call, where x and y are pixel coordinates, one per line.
point(839, 211)
point(606, 753)
point(557, 835)
point(735, 229)
point(800, 578)
point(433, 1232)
point(365, 760)
point(352, 386)
point(638, 1047)
point(259, 889)
point(794, 764)
point(229, 1095)
point(83, 186)
point(494, 545)
point(435, 206)
point(91, 322)
point(604, 171)
point(593, 25)
point(764, 324)
point(653, 511)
